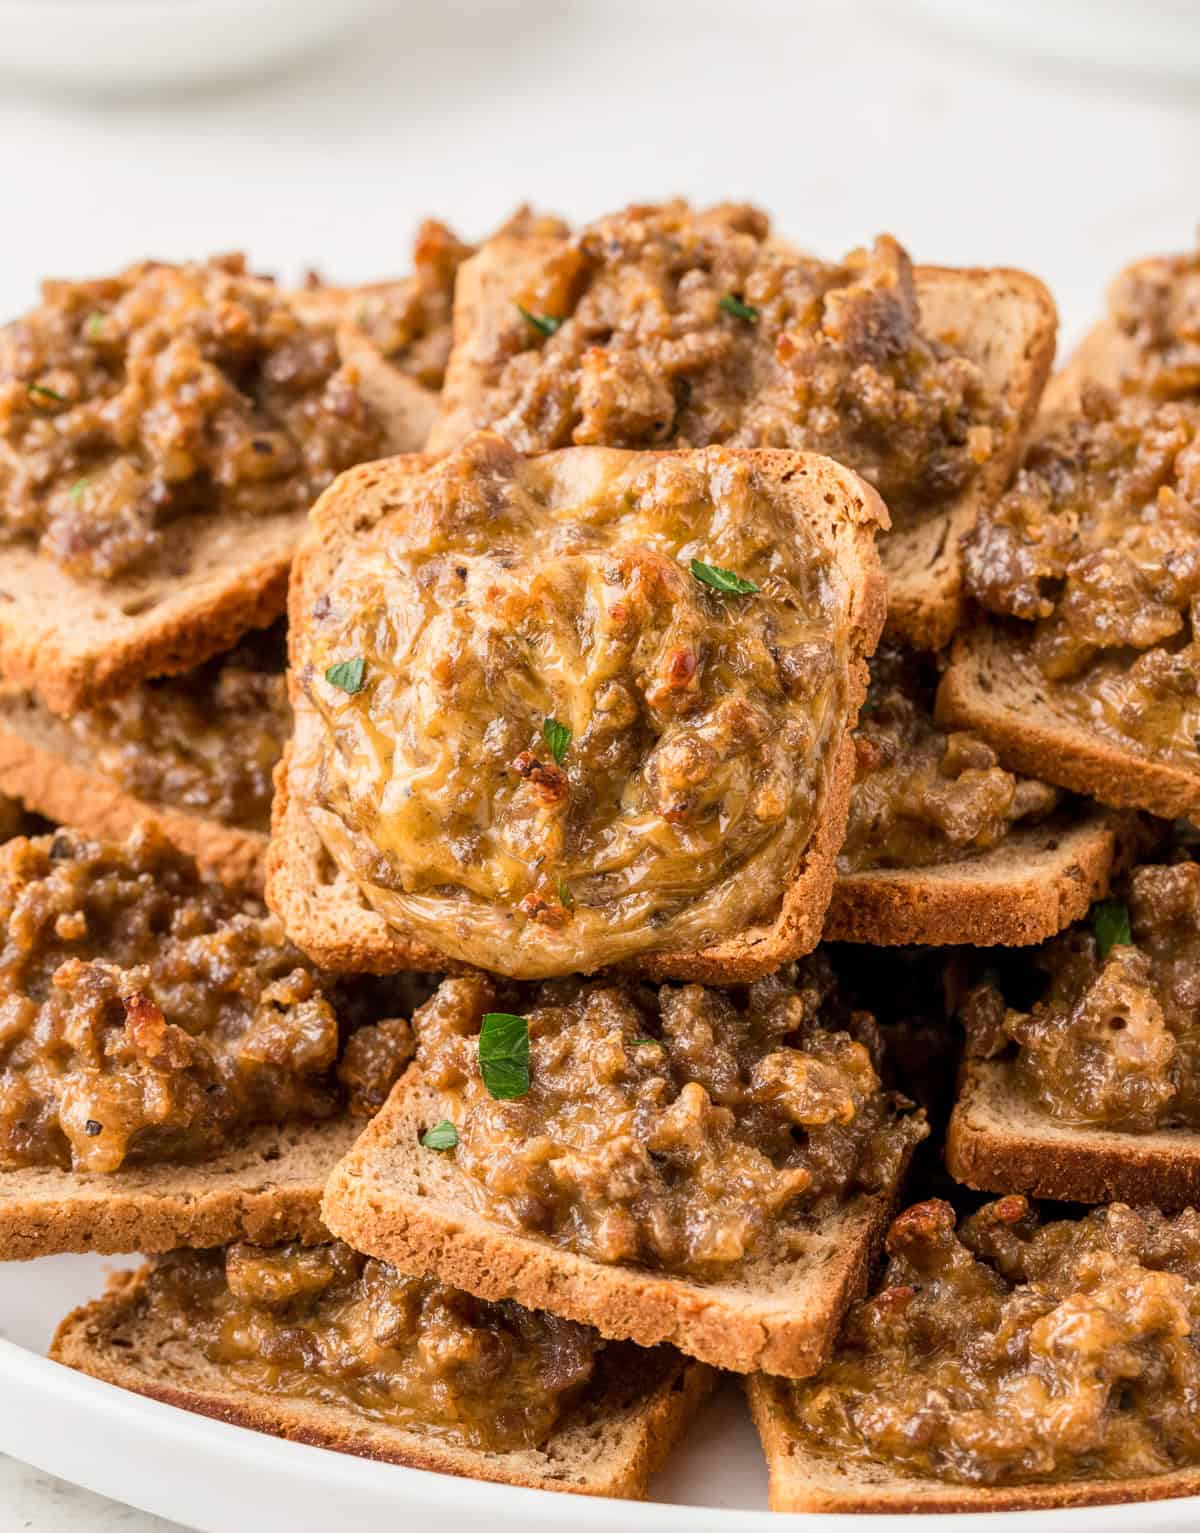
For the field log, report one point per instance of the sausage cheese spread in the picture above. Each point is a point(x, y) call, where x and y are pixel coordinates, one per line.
point(325, 1324)
point(922, 796)
point(1113, 1036)
point(129, 401)
point(662, 326)
point(145, 1015)
point(682, 1128)
point(579, 707)
point(1013, 1352)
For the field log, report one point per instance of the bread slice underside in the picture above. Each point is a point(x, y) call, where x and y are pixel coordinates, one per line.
point(804, 1481)
point(78, 641)
point(43, 764)
point(992, 687)
point(264, 1188)
point(999, 1140)
point(1005, 321)
point(608, 1443)
point(413, 1207)
point(1039, 879)
point(327, 917)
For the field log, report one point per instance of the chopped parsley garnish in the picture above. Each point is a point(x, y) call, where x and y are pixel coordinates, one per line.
point(40, 391)
point(442, 1136)
point(565, 898)
point(504, 1055)
point(732, 304)
point(95, 323)
point(1110, 922)
point(638, 1042)
point(869, 706)
point(721, 580)
point(347, 674)
point(77, 489)
point(544, 324)
point(557, 737)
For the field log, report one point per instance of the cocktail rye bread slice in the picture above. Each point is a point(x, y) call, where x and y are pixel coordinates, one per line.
point(44, 765)
point(323, 912)
point(264, 1188)
point(990, 686)
point(1001, 1141)
point(411, 1206)
point(608, 1443)
point(1036, 881)
point(804, 1481)
point(1005, 321)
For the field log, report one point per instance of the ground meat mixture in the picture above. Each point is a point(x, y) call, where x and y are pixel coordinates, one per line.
point(678, 1128)
point(1095, 552)
point(322, 1323)
point(674, 327)
point(1113, 1036)
point(127, 402)
point(409, 323)
point(206, 741)
point(1157, 305)
point(145, 1015)
point(1015, 1353)
point(544, 742)
point(922, 796)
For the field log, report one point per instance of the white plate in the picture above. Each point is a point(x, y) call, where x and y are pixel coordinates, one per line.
point(216, 1478)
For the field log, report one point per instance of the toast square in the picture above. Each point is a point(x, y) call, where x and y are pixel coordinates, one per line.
point(322, 909)
point(265, 1188)
point(1004, 321)
point(608, 1443)
point(414, 1208)
point(1000, 1141)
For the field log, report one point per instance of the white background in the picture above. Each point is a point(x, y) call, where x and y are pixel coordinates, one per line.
point(841, 119)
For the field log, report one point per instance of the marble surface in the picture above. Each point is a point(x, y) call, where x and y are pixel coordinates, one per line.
point(842, 118)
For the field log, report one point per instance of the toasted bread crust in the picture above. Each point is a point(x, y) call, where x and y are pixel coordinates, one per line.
point(325, 916)
point(1007, 322)
point(1026, 889)
point(67, 792)
point(265, 1189)
point(778, 1315)
point(804, 1482)
point(643, 1432)
point(986, 688)
point(999, 1141)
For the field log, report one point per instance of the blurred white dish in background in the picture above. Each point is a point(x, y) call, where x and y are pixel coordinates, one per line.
point(1157, 38)
point(113, 47)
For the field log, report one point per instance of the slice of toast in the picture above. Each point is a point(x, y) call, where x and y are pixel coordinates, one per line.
point(608, 1443)
point(414, 1208)
point(1039, 879)
point(1000, 1141)
point(47, 767)
point(990, 687)
point(327, 918)
point(802, 1481)
point(265, 1188)
point(1004, 320)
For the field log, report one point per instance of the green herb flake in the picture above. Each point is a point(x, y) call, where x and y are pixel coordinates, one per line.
point(725, 581)
point(77, 489)
point(504, 1055)
point(869, 707)
point(442, 1136)
point(348, 675)
point(40, 391)
point(565, 898)
point(95, 323)
point(544, 324)
point(557, 737)
point(639, 1042)
point(1110, 922)
point(732, 304)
